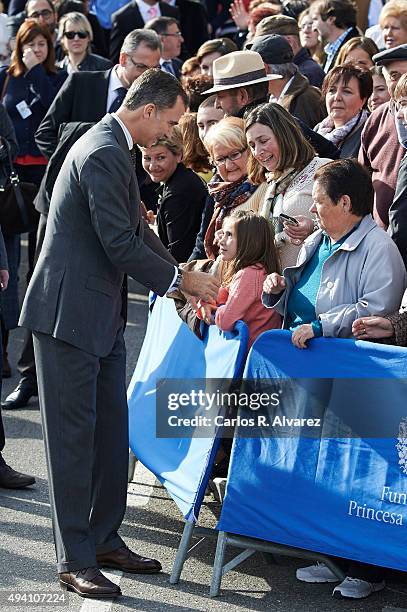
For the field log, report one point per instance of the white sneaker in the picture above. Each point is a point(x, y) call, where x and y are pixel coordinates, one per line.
point(316, 573)
point(356, 588)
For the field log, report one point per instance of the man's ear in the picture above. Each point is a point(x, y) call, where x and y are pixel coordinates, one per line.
point(346, 202)
point(242, 96)
point(149, 111)
point(122, 59)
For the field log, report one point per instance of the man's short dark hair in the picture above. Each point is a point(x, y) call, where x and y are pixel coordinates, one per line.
point(49, 2)
point(161, 24)
point(347, 177)
point(155, 87)
point(344, 11)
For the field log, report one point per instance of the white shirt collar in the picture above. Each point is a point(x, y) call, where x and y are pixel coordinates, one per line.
point(285, 88)
point(125, 131)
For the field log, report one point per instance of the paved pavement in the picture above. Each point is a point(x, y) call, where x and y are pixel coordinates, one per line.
point(152, 527)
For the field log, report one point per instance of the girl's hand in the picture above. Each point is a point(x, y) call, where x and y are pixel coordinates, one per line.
point(29, 58)
point(239, 15)
point(298, 233)
point(301, 335)
point(205, 312)
point(274, 283)
point(372, 327)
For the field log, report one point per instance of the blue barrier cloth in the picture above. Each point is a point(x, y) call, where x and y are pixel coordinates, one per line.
point(171, 351)
point(344, 496)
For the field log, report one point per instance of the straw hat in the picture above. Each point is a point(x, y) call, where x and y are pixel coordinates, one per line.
point(239, 69)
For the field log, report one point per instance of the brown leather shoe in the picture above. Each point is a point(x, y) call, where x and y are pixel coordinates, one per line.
point(124, 559)
point(89, 582)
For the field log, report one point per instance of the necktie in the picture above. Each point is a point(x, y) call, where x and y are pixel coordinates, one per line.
point(167, 67)
point(152, 12)
point(117, 102)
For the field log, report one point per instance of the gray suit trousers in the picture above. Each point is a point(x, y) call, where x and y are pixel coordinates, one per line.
point(85, 421)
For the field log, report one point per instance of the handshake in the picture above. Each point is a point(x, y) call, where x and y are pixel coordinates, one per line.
point(205, 310)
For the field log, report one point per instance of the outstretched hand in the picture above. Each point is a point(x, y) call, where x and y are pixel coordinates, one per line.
point(239, 14)
point(201, 285)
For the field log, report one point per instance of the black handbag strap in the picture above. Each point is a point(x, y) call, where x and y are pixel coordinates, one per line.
point(15, 182)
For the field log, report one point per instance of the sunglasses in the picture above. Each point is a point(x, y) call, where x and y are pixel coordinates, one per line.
point(71, 35)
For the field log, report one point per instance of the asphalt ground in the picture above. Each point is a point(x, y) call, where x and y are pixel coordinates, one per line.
point(152, 527)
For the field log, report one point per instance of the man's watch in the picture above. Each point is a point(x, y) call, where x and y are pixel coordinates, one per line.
point(178, 280)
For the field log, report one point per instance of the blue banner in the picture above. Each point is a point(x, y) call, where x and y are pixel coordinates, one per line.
point(343, 496)
point(171, 351)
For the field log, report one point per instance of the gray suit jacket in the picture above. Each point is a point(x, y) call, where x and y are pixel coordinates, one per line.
point(94, 234)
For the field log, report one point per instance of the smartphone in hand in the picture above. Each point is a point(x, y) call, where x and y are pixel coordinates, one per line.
point(287, 219)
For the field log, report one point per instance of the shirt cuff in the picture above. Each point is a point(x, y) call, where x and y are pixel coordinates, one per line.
point(317, 328)
point(171, 287)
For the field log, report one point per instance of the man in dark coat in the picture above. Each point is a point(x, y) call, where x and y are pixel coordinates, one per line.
point(73, 303)
point(190, 13)
point(141, 50)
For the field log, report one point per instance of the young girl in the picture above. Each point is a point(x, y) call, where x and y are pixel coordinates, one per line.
point(248, 250)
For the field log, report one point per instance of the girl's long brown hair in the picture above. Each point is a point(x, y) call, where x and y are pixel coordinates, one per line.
point(255, 244)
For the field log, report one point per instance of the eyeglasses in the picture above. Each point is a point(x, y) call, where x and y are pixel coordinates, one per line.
point(232, 157)
point(141, 67)
point(307, 25)
point(177, 34)
point(37, 14)
point(71, 35)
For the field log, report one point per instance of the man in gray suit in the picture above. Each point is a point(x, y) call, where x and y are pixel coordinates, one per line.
point(94, 235)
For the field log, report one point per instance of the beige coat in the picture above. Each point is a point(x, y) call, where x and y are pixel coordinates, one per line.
point(296, 200)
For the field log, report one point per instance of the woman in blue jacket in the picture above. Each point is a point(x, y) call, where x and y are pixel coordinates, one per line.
point(28, 88)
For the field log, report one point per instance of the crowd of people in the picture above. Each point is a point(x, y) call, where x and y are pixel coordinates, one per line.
point(272, 147)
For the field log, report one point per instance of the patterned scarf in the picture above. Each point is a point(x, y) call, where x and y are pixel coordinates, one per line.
point(336, 135)
point(227, 196)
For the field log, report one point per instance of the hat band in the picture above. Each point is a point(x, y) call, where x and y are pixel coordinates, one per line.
point(241, 78)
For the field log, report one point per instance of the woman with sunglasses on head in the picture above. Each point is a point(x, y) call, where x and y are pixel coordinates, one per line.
point(229, 189)
point(75, 34)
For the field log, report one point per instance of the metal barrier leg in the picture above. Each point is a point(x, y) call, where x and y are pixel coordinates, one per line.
point(132, 466)
point(218, 564)
point(182, 552)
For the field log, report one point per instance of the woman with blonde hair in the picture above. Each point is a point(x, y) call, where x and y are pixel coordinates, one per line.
point(230, 189)
point(182, 194)
point(393, 23)
point(283, 157)
point(75, 34)
point(358, 51)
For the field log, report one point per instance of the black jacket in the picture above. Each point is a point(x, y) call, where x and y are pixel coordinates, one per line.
point(72, 104)
point(309, 67)
point(129, 18)
point(90, 63)
point(398, 212)
point(180, 210)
